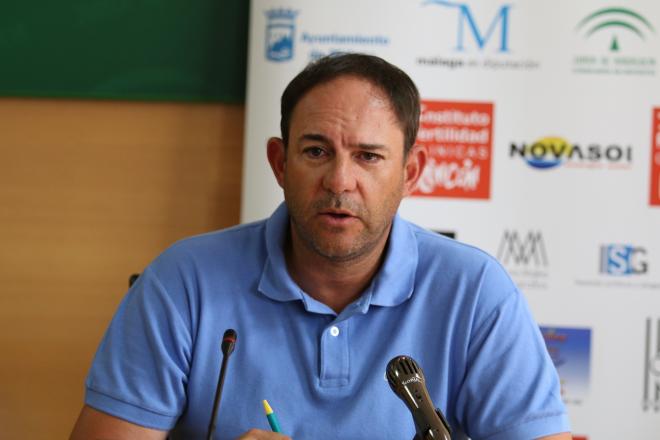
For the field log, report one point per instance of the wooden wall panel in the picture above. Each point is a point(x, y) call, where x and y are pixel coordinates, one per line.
point(89, 193)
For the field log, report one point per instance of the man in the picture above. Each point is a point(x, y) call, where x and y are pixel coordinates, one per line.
point(323, 294)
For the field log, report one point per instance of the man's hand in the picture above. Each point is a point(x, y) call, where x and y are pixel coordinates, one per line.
point(258, 434)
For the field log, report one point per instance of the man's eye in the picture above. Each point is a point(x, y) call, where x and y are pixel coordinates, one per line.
point(314, 151)
point(370, 157)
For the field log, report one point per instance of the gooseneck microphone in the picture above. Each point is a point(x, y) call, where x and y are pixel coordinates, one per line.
point(227, 346)
point(407, 381)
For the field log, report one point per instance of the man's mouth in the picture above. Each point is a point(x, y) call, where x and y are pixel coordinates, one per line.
point(338, 217)
point(338, 214)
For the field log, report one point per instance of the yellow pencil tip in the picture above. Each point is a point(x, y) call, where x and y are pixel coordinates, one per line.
point(267, 407)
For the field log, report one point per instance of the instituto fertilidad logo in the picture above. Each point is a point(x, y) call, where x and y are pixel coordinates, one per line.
point(555, 151)
point(458, 137)
point(570, 351)
point(280, 34)
point(623, 260)
point(526, 258)
point(651, 393)
point(616, 42)
point(478, 30)
point(654, 192)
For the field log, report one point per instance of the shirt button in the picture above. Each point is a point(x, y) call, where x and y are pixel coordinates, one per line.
point(334, 330)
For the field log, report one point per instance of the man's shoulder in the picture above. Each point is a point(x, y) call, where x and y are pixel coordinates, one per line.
point(436, 245)
point(450, 258)
point(242, 240)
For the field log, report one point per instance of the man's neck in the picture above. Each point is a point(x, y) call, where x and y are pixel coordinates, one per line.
point(334, 283)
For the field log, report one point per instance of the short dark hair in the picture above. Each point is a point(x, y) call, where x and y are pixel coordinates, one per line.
point(394, 82)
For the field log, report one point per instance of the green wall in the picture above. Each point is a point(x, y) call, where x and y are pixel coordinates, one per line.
point(174, 50)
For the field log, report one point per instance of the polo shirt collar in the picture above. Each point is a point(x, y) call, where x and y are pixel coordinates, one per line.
point(392, 284)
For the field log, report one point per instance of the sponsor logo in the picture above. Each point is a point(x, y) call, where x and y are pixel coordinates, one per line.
point(411, 380)
point(479, 31)
point(553, 152)
point(458, 137)
point(611, 20)
point(280, 34)
point(654, 197)
point(527, 251)
point(614, 42)
point(570, 351)
point(622, 266)
point(449, 234)
point(622, 259)
point(525, 257)
point(651, 394)
point(282, 39)
point(469, 29)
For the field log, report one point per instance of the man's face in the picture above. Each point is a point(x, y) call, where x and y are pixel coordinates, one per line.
point(343, 173)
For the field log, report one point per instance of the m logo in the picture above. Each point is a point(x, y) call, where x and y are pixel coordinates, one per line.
point(614, 19)
point(522, 251)
point(467, 25)
point(280, 32)
point(652, 366)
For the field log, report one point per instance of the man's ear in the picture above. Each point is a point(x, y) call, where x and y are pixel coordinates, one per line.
point(277, 158)
point(413, 168)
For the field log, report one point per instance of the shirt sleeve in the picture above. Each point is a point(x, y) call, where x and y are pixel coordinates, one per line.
point(511, 389)
point(140, 370)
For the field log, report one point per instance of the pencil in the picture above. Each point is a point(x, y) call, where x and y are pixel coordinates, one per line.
point(272, 418)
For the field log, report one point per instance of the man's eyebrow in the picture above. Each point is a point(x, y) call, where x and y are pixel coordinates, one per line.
point(315, 137)
point(372, 147)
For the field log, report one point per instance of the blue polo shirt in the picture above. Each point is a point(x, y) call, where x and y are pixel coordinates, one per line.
point(448, 305)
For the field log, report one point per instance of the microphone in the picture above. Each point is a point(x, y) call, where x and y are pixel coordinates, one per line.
point(227, 346)
point(407, 381)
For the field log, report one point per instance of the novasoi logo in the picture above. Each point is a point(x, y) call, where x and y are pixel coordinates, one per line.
point(480, 34)
point(623, 260)
point(522, 251)
point(280, 34)
point(651, 392)
point(551, 152)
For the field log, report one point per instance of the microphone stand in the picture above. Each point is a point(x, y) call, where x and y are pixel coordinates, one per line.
point(228, 342)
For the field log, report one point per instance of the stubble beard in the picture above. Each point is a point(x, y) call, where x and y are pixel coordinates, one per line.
point(321, 243)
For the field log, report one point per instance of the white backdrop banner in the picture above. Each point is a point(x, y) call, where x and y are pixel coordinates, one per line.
point(542, 120)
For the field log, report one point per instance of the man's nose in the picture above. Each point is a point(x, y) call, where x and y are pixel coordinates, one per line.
point(340, 175)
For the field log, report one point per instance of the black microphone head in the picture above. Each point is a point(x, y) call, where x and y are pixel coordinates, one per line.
point(407, 381)
point(228, 341)
point(403, 370)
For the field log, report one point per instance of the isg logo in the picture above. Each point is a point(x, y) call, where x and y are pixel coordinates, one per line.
point(553, 152)
point(623, 260)
point(497, 29)
point(280, 34)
